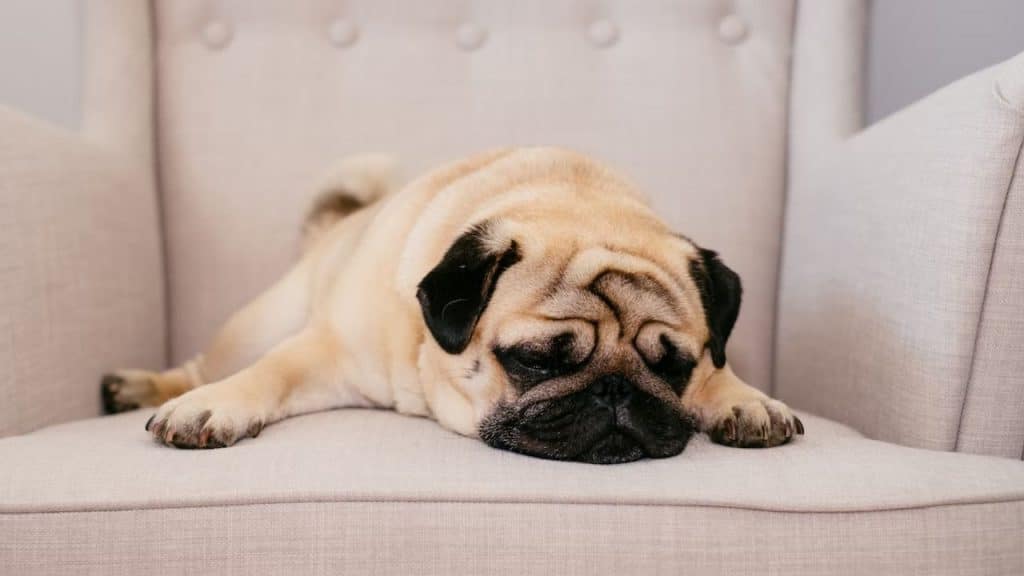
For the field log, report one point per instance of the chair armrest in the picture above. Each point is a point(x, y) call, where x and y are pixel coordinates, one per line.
point(901, 307)
point(81, 273)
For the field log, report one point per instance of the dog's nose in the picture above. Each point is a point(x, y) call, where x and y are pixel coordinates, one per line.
point(611, 390)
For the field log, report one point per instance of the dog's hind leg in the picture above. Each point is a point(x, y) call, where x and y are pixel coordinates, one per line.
point(272, 317)
point(285, 308)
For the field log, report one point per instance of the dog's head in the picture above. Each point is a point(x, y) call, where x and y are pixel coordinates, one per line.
point(573, 345)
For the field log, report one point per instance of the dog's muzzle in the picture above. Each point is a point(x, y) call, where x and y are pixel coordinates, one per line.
point(608, 422)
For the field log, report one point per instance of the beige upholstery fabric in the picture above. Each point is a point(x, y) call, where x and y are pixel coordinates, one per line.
point(889, 243)
point(446, 538)
point(117, 91)
point(81, 280)
point(993, 418)
point(257, 97)
point(81, 270)
point(827, 81)
point(354, 489)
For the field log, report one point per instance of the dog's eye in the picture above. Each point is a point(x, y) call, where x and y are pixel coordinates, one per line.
point(526, 362)
point(531, 361)
point(674, 366)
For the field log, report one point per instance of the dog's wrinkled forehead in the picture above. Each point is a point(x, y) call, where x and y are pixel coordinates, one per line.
point(632, 289)
point(634, 298)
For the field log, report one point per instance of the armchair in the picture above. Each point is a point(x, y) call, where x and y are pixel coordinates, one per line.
point(882, 267)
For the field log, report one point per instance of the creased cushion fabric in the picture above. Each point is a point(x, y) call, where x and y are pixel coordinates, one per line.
point(347, 488)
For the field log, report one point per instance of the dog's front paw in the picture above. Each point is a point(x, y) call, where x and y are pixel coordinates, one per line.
point(126, 390)
point(204, 418)
point(755, 423)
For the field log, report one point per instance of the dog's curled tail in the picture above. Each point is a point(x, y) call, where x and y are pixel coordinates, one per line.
point(352, 183)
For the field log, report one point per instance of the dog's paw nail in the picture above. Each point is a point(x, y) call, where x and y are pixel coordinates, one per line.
point(799, 425)
point(730, 429)
point(150, 421)
point(202, 419)
point(204, 437)
point(157, 428)
point(725, 432)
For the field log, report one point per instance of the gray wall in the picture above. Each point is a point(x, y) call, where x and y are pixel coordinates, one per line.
point(40, 67)
point(914, 47)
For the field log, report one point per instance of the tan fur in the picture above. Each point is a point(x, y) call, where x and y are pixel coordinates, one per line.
point(353, 183)
point(344, 328)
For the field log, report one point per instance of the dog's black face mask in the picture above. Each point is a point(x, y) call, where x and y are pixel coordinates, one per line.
point(594, 406)
point(608, 422)
point(574, 399)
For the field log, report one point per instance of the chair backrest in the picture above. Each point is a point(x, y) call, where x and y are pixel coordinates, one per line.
point(254, 98)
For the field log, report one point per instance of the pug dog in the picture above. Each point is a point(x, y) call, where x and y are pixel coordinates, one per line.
point(527, 297)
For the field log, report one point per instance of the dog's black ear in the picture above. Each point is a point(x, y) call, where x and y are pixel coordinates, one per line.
point(720, 293)
point(455, 293)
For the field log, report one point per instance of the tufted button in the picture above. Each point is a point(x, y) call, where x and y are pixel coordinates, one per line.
point(217, 34)
point(602, 33)
point(470, 36)
point(343, 32)
point(732, 29)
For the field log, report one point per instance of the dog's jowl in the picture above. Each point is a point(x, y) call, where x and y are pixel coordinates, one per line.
point(526, 297)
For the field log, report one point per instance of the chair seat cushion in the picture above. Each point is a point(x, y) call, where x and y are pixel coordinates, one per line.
point(363, 489)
